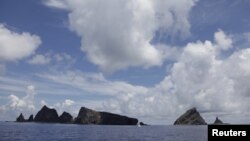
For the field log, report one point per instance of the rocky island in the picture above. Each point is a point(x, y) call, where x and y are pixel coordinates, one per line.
point(46, 115)
point(88, 116)
point(190, 117)
point(219, 122)
point(21, 118)
point(85, 116)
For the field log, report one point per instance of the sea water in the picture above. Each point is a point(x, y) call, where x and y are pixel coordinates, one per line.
point(12, 131)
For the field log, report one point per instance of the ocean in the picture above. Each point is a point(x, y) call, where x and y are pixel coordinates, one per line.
point(12, 131)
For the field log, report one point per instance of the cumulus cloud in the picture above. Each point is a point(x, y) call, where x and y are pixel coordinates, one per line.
point(68, 102)
point(28, 105)
point(15, 46)
point(198, 78)
point(55, 59)
point(25, 103)
point(117, 34)
point(222, 40)
point(17, 105)
point(39, 60)
point(56, 3)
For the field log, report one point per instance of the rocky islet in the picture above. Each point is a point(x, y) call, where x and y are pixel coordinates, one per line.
point(85, 116)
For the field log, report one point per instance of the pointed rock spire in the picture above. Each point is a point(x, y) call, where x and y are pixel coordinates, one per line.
point(31, 118)
point(218, 121)
point(20, 118)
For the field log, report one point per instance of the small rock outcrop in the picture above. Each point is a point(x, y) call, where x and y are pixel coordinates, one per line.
point(142, 124)
point(20, 118)
point(46, 115)
point(65, 118)
point(30, 119)
point(218, 121)
point(190, 117)
point(88, 116)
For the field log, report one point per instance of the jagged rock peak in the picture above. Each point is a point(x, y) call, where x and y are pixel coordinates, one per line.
point(20, 118)
point(65, 118)
point(218, 121)
point(46, 115)
point(31, 118)
point(190, 117)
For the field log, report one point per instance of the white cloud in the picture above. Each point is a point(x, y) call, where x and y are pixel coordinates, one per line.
point(68, 102)
point(25, 103)
point(222, 40)
point(198, 78)
point(17, 105)
point(39, 59)
point(116, 34)
point(15, 46)
point(56, 3)
point(56, 59)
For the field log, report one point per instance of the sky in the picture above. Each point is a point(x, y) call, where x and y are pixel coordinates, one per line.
point(149, 59)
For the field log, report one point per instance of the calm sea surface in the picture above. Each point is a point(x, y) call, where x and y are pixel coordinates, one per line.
point(11, 131)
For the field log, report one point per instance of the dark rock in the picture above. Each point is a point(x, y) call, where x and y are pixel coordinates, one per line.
point(20, 118)
point(65, 118)
point(143, 124)
point(218, 121)
point(88, 116)
point(190, 117)
point(46, 115)
point(114, 119)
point(30, 118)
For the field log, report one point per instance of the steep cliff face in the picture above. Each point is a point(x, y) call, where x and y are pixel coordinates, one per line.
point(88, 116)
point(190, 117)
point(46, 115)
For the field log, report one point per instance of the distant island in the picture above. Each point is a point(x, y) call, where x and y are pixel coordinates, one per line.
point(85, 116)
point(193, 117)
point(190, 117)
point(89, 116)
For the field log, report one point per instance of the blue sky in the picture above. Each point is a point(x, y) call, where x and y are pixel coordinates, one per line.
point(148, 59)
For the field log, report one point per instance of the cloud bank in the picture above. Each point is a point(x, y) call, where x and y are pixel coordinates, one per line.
point(200, 77)
point(117, 34)
point(16, 105)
